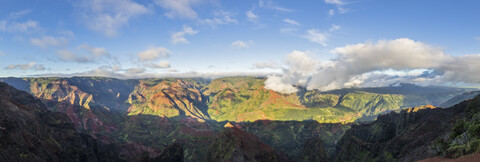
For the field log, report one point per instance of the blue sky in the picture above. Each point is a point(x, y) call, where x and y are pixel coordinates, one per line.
point(154, 38)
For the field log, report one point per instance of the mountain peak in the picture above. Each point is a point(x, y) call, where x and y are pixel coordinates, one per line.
point(229, 125)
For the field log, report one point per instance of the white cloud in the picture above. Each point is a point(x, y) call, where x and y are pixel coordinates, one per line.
point(95, 51)
point(179, 37)
point(107, 71)
point(179, 8)
point(134, 70)
point(353, 60)
point(288, 30)
point(271, 5)
point(220, 18)
point(162, 65)
point(11, 24)
point(108, 16)
point(320, 37)
point(314, 35)
point(463, 69)
point(15, 26)
point(219, 21)
point(31, 65)
point(334, 28)
point(266, 65)
point(2, 53)
point(48, 41)
point(331, 12)
point(252, 17)
point(292, 22)
point(301, 63)
point(277, 84)
point(153, 53)
point(241, 44)
point(66, 33)
point(380, 64)
point(92, 54)
point(67, 55)
point(342, 10)
point(301, 66)
point(335, 2)
point(339, 4)
point(18, 14)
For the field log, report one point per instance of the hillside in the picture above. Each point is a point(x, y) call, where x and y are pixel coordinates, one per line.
point(245, 99)
point(459, 98)
point(415, 134)
point(224, 99)
point(30, 132)
point(234, 144)
point(189, 114)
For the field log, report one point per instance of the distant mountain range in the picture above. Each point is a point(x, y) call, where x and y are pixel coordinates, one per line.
point(182, 117)
point(225, 99)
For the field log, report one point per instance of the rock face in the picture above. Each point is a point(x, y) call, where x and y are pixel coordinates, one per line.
point(168, 98)
point(30, 132)
point(173, 153)
point(291, 136)
point(149, 115)
point(457, 99)
point(96, 104)
point(313, 150)
point(236, 145)
point(414, 134)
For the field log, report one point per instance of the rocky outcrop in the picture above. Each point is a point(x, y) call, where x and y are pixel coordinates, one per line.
point(459, 98)
point(291, 136)
point(410, 135)
point(149, 115)
point(168, 98)
point(30, 132)
point(314, 150)
point(236, 145)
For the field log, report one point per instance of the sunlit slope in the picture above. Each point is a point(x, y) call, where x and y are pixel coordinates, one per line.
point(246, 99)
point(93, 104)
point(168, 98)
point(231, 98)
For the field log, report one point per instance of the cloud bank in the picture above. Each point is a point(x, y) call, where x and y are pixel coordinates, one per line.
point(139, 73)
point(376, 64)
point(31, 65)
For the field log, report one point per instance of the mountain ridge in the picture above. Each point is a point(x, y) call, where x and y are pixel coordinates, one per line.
point(232, 98)
point(157, 113)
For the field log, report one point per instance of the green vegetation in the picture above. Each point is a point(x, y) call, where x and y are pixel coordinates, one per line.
point(159, 112)
point(234, 98)
point(465, 136)
point(167, 98)
point(245, 99)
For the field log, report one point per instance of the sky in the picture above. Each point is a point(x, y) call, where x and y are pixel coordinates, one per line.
point(320, 44)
